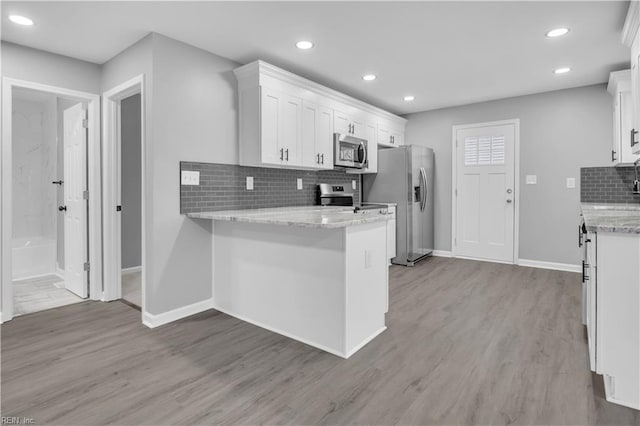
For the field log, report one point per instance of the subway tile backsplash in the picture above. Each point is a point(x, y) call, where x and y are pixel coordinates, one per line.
point(607, 185)
point(223, 187)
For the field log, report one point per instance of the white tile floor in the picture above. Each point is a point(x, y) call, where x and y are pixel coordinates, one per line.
point(132, 287)
point(39, 294)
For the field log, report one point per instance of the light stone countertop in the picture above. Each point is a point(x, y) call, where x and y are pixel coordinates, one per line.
point(306, 217)
point(623, 218)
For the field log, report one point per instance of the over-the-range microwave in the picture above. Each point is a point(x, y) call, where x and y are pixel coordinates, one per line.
point(349, 151)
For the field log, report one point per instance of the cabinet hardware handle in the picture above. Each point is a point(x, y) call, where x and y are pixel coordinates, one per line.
point(317, 158)
point(634, 142)
point(281, 154)
point(579, 236)
point(287, 153)
point(613, 155)
point(322, 156)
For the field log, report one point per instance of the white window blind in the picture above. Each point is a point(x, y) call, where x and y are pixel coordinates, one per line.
point(484, 151)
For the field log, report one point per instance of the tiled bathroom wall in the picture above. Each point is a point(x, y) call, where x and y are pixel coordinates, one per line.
point(223, 187)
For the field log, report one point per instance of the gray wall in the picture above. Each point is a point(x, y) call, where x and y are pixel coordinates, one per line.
point(38, 66)
point(194, 117)
point(560, 132)
point(131, 184)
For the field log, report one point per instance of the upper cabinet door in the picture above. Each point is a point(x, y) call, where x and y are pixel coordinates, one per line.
point(291, 142)
point(635, 91)
point(271, 122)
point(620, 87)
point(317, 136)
point(358, 128)
point(341, 123)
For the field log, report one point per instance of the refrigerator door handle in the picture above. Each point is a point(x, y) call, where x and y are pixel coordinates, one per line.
point(423, 188)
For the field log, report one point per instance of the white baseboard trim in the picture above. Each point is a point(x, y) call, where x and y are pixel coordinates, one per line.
point(131, 270)
point(284, 333)
point(442, 253)
point(60, 272)
point(364, 343)
point(550, 265)
point(153, 321)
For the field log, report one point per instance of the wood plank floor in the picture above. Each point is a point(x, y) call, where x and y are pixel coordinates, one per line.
point(467, 343)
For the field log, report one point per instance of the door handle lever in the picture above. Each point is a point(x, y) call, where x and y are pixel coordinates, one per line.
point(57, 182)
point(62, 208)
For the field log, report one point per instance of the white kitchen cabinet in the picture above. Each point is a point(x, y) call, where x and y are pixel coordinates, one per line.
point(631, 38)
point(280, 121)
point(620, 89)
point(349, 124)
point(618, 310)
point(590, 278)
point(317, 136)
point(389, 136)
point(287, 121)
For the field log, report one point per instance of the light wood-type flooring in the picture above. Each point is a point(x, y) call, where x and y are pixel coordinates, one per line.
point(467, 343)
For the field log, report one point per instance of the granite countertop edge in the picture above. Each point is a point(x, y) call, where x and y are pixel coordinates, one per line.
point(303, 217)
point(610, 217)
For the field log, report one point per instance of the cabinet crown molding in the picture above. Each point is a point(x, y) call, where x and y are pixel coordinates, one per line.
point(247, 75)
point(631, 23)
point(619, 81)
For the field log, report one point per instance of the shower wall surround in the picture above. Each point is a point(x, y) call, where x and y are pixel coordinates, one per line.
point(34, 168)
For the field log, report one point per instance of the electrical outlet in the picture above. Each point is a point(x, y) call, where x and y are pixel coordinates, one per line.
point(188, 177)
point(354, 185)
point(532, 179)
point(571, 183)
point(368, 259)
point(250, 183)
point(299, 183)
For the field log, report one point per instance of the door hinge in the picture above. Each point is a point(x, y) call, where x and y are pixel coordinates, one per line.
point(85, 123)
point(455, 242)
point(85, 195)
point(456, 190)
point(86, 266)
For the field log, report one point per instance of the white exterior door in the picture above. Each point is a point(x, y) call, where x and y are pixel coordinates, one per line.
point(485, 197)
point(75, 183)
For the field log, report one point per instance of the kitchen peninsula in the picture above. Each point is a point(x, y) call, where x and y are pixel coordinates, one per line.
point(315, 274)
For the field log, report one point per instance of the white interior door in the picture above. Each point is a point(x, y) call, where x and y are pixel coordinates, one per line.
point(75, 183)
point(485, 200)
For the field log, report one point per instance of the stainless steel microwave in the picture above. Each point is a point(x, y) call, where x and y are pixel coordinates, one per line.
point(349, 151)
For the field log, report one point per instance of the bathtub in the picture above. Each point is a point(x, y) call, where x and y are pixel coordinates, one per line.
point(33, 257)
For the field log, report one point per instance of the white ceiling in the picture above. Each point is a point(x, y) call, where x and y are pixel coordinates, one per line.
point(444, 53)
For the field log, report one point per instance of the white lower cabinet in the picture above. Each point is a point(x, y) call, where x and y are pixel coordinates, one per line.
point(612, 274)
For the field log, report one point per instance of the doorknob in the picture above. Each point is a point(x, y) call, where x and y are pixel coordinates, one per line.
point(509, 191)
point(62, 208)
point(509, 201)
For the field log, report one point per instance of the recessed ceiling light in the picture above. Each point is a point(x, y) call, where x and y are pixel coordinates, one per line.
point(20, 20)
point(409, 98)
point(562, 70)
point(304, 45)
point(557, 32)
point(369, 77)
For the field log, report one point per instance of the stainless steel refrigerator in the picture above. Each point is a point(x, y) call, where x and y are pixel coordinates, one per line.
point(405, 177)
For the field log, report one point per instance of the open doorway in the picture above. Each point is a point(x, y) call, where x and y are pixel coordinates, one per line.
point(131, 198)
point(124, 193)
point(50, 228)
point(49, 210)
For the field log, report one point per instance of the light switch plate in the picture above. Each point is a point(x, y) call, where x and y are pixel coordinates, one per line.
point(354, 184)
point(571, 183)
point(299, 183)
point(532, 179)
point(188, 177)
point(250, 183)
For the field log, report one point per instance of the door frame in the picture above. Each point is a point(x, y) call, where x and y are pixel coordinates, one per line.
point(516, 185)
point(111, 136)
point(94, 188)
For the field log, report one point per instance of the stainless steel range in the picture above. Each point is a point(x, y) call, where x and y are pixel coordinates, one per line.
point(342, 195)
